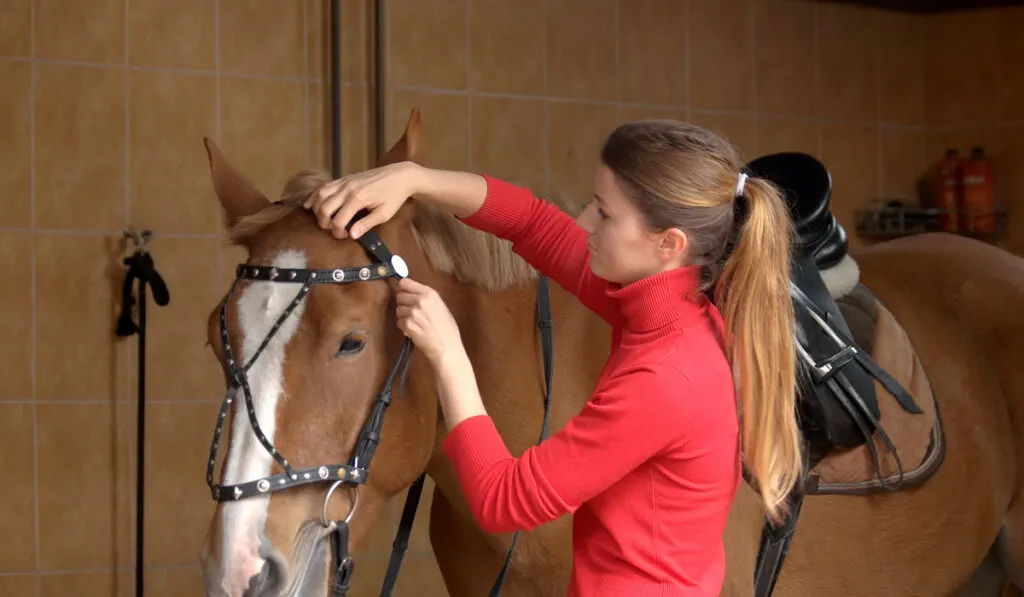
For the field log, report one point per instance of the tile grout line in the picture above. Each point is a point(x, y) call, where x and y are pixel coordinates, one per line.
point(608, 103)
point(618, 59)
point(33, 368)
point(687, 34)
point(469, 98)
point(879, 137)
point(168, 70)
point(133, 450)
point(219, 258)
point(94, 232)
point(305, 79)
point(113, 569)
point(753, 69)
point(385, 82)
point(127, 123)
point(816, 37)
point(30, 401)
point(547, 107)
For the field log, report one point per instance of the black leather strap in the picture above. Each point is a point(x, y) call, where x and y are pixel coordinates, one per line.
point(343, 563)
point(775, 541)
point(338, 275)
point(545, 324)
point(401, 542)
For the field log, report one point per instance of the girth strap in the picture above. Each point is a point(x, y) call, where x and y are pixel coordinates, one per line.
point(775, 540)
point(773, 548)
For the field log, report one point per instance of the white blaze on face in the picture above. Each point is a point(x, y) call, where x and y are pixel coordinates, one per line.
point(258, 308)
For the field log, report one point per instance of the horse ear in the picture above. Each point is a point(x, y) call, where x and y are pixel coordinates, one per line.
point(237, 195)
point(408, 147)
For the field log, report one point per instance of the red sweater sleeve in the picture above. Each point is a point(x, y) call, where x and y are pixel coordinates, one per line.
point(547, 238)
point(631, 418)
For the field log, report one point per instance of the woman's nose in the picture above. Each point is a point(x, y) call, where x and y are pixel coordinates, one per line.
point(584, 220)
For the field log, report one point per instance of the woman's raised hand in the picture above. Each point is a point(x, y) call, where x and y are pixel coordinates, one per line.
point(381, 191)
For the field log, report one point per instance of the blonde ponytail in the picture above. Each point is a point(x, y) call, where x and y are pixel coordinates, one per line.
point(758, 313)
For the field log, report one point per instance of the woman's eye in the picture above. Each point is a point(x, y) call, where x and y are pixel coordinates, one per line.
point(601, 213)
point(351, 345)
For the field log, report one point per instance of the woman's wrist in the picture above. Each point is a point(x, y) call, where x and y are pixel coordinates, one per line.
point(457, 388)
point(453, 361)
point(461, 193)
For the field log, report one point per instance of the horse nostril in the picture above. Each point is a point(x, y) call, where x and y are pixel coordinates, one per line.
point(270, 581)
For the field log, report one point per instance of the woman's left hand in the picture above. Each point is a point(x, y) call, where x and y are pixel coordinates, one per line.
point(426, 320)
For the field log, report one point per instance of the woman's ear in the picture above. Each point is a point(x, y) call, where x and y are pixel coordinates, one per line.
point(673, 244)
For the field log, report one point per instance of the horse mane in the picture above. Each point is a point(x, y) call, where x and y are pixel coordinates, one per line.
point(451, 247)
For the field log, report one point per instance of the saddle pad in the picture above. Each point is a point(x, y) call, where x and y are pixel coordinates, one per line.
point(917, 438)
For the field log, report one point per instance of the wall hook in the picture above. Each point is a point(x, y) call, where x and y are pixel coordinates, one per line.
point(140, 238)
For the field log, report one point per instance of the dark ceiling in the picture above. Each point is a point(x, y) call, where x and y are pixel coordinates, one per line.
point(928, 6)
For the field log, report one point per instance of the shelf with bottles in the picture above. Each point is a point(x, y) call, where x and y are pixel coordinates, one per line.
point(957, 195)
point(883, 219)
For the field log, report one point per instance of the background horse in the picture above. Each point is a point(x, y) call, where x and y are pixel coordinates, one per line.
point(959, 302)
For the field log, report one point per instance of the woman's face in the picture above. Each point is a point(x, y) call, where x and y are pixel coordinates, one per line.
point(622, 249)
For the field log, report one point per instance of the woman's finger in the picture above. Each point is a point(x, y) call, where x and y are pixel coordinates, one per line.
point(370, 220)
point(412, 286)
point(325, 208)
point(411, 329)
point(332, 187)
point(355, 199)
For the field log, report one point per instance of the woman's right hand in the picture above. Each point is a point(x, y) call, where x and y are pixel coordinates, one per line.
point(381, 191)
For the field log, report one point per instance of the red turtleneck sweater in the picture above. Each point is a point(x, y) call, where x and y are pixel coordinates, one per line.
point(650, 465)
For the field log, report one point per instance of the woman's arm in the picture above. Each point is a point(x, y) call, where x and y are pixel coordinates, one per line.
point(460, 193)
point(635, 416)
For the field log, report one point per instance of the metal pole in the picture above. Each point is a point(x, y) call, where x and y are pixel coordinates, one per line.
point(336, 88)
point(380, 81)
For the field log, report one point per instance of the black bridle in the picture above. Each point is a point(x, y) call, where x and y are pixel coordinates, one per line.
point(352, 474)
point(356, 472)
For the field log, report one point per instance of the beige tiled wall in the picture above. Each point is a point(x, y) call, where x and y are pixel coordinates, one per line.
point(104, 106)
point(975, 89)
point(530, 89)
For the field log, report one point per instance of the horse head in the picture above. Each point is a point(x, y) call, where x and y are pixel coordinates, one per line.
point(308, 343)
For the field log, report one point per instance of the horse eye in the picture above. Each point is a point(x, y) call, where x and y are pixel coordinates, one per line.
point(351, 345)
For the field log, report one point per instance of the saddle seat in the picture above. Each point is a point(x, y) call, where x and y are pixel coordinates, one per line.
point(808, 190)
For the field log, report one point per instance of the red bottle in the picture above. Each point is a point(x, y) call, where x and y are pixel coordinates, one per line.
point(979, 197)
point(948, 191)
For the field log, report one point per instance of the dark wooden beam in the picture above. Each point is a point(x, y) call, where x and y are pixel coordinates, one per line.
point(927, 6)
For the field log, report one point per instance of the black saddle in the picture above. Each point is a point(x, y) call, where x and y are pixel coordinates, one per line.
point(821, 243)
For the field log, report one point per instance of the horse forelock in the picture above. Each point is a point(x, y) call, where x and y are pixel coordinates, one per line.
point(295, 191)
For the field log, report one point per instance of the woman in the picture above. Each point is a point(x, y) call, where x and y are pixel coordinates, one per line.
point(651, 464)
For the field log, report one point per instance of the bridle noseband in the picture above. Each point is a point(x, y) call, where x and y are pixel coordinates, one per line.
point(352, 474)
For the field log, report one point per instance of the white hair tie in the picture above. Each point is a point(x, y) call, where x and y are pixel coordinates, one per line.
point(740, 183)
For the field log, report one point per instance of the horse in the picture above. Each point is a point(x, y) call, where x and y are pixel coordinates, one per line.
point(940, 313)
